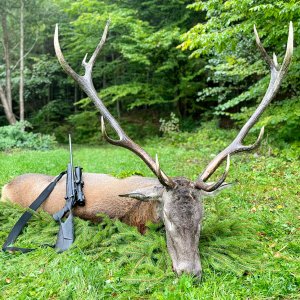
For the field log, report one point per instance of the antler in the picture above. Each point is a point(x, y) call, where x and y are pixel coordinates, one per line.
point(277, 74)
point(86, 83)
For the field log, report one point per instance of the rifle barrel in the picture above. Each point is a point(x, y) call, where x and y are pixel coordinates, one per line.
point(71, 155)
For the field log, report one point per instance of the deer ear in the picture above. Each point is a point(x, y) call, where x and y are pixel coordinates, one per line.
point(217, 191)
point(149, 193)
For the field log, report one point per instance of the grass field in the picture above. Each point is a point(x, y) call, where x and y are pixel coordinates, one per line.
point(250, 242)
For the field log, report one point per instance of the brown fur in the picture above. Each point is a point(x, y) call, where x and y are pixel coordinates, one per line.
point(102, 196)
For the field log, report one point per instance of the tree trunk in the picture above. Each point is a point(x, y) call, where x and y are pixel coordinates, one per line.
point(8, 112)
point(5, 96)
point(6, 59)
point(21, 92)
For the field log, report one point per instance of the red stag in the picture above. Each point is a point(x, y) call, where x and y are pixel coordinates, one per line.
point(136, 200)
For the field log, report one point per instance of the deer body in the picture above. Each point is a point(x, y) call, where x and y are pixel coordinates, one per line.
point(180, 208)
point(102, 196)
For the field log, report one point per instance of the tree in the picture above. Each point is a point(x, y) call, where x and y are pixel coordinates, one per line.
point(237, 75)
point(21, 92)
point(6, 93)
point(26, 32)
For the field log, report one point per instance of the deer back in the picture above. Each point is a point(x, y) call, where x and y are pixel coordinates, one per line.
point(102, 196)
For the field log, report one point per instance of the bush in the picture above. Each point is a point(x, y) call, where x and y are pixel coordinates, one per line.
point(51, 116)
point(170, 126)
point(86, 129)
point(15, 136)
point(209, 136)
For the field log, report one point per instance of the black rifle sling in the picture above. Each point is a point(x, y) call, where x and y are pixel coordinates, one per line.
point(15, 232)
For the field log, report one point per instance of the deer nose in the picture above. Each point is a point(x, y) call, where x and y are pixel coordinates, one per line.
point(198, 274)
point(194, 270)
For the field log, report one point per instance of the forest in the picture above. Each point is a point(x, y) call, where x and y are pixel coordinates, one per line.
point(197, 60)
point(181, 77)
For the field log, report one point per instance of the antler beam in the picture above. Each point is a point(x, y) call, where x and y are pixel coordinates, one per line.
point(86, 83)
point(277, 74)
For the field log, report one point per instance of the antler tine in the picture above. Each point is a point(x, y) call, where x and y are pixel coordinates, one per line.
point(211, 187)
point(86, 83)
point(61, 57)
point(105, 135)
point(277, 74)
point(161, 176)
point(261, 48)
point(289, 49)
point(288, 54)
point(100, 45)
point(255, 144)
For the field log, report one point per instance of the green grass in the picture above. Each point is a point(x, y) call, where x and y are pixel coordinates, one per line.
point(250, 241)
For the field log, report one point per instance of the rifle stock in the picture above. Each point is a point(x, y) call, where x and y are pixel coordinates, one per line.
point(65, 237)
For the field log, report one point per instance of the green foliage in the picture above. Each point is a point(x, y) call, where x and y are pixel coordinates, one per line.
point(45, 91)
point(283, 118)
point(208, 135)
point(142, 94)
point(85, 127)
point(140, 64)
point(15, 137)
point(51, 115)
point(237, 78)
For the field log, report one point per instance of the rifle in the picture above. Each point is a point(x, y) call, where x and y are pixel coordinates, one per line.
point(74, 196)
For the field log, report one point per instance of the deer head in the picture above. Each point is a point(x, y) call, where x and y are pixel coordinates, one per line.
point(179, 199)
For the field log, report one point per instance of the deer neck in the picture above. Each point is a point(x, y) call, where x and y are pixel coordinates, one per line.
point(141, 214)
